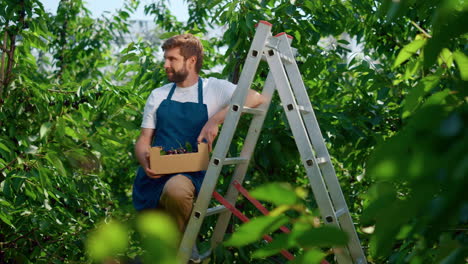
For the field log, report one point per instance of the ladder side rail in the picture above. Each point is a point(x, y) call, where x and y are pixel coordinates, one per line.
point(304, 145)
point(318, 143)
point(232, 118)
point(313, 129)
point(241, 169)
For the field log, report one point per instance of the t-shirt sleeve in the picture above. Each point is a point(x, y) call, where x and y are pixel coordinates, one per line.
point(149, 114)
point(226, 92)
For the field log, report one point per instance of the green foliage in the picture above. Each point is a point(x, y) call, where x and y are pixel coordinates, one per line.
point(157, 234)
point(393, 118)
point(416, 202)
point(255, 229)
point(277, 194)
point(108, 240)
point(62, 123)
point(306, 235)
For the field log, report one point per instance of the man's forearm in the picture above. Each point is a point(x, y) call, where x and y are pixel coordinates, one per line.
point(211, 128)
point(141, 152)
point(253, 100)
point(142, 146)
point(219, 117)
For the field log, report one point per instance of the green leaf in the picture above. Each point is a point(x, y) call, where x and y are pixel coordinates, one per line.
point(446, 28)
point(168, 35)
point(408, 51)
point(56, 162)
point(72, 133)
point(456, 256)
point(324, 236)
point(44, 129)
point(276, 193)
point(107, 241)
point(343, 41)
point(313, 256)
point(416, 94)
point(157, 224)
point(439, 98)
point(412, 68)
point(279, 242)
point(6, 219)
point(160, 237)
point(446, 58)
point(462, 61)
point(6, 151)
point(254, 230)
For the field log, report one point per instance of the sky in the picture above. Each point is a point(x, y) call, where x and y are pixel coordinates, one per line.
point(97, 7)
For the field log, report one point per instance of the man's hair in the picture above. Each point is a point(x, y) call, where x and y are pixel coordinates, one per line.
point(189, 46)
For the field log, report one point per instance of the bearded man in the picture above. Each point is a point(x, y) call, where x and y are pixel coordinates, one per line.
point(189, 109)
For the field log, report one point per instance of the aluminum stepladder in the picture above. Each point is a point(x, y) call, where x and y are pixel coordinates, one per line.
point(284, 76)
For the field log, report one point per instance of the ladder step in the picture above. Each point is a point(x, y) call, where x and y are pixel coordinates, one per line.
point(321, 160)
point(338, 214)
point(231, 161)
point(303, 109)
point(284, 59)
point(254, 111)
point(341, 212)
point(216, 210)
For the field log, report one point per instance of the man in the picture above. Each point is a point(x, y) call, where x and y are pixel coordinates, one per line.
point(190, 109)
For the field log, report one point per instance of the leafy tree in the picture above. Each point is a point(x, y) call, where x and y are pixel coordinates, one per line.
point(393, 112)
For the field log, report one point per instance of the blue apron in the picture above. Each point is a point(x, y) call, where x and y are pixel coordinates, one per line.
point(178, 123)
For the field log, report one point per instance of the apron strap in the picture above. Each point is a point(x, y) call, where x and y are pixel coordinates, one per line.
point(169, 96)
point(200, 91)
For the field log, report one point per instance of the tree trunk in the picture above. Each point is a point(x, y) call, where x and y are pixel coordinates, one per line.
point(2, 66)
point(7, 76)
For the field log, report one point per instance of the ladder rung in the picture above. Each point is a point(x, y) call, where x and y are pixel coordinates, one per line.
point(238, 160)
point(216, 210)
point(303, 109)
point(284, 59)
point(255, 111)
point(321, 160)
point(340, 212)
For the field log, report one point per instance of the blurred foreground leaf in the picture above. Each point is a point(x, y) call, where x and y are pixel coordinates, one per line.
point(159, 236)
point(107, 241)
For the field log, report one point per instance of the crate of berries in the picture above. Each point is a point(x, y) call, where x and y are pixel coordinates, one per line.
point(179, 160)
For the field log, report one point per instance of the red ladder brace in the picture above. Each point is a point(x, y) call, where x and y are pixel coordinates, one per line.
point(262, 208)
point(245, 219)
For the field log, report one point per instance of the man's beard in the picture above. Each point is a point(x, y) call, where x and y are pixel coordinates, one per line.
point(177, 76)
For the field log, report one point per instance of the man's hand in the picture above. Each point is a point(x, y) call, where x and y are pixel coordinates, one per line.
point(211, 128)
point(149, 171)
point(152, 174)
point(209, 132)
point(142, 150)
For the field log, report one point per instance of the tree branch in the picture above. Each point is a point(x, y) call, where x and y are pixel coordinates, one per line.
point(2, 67)
point(60, 91)
point(63, 40)
point(10, 163)
point(421, 29)
point(20, 237)
point(11, 52)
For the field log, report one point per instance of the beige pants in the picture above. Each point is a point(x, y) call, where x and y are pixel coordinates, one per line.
point(177, 199)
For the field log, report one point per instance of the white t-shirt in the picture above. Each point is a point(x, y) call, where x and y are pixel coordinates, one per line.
point(216, 95)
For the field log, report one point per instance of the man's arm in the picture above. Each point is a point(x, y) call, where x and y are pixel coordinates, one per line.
point(211, 128)
point(142, 150)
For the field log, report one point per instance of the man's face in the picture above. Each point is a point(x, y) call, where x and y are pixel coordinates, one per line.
point(175, 65)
